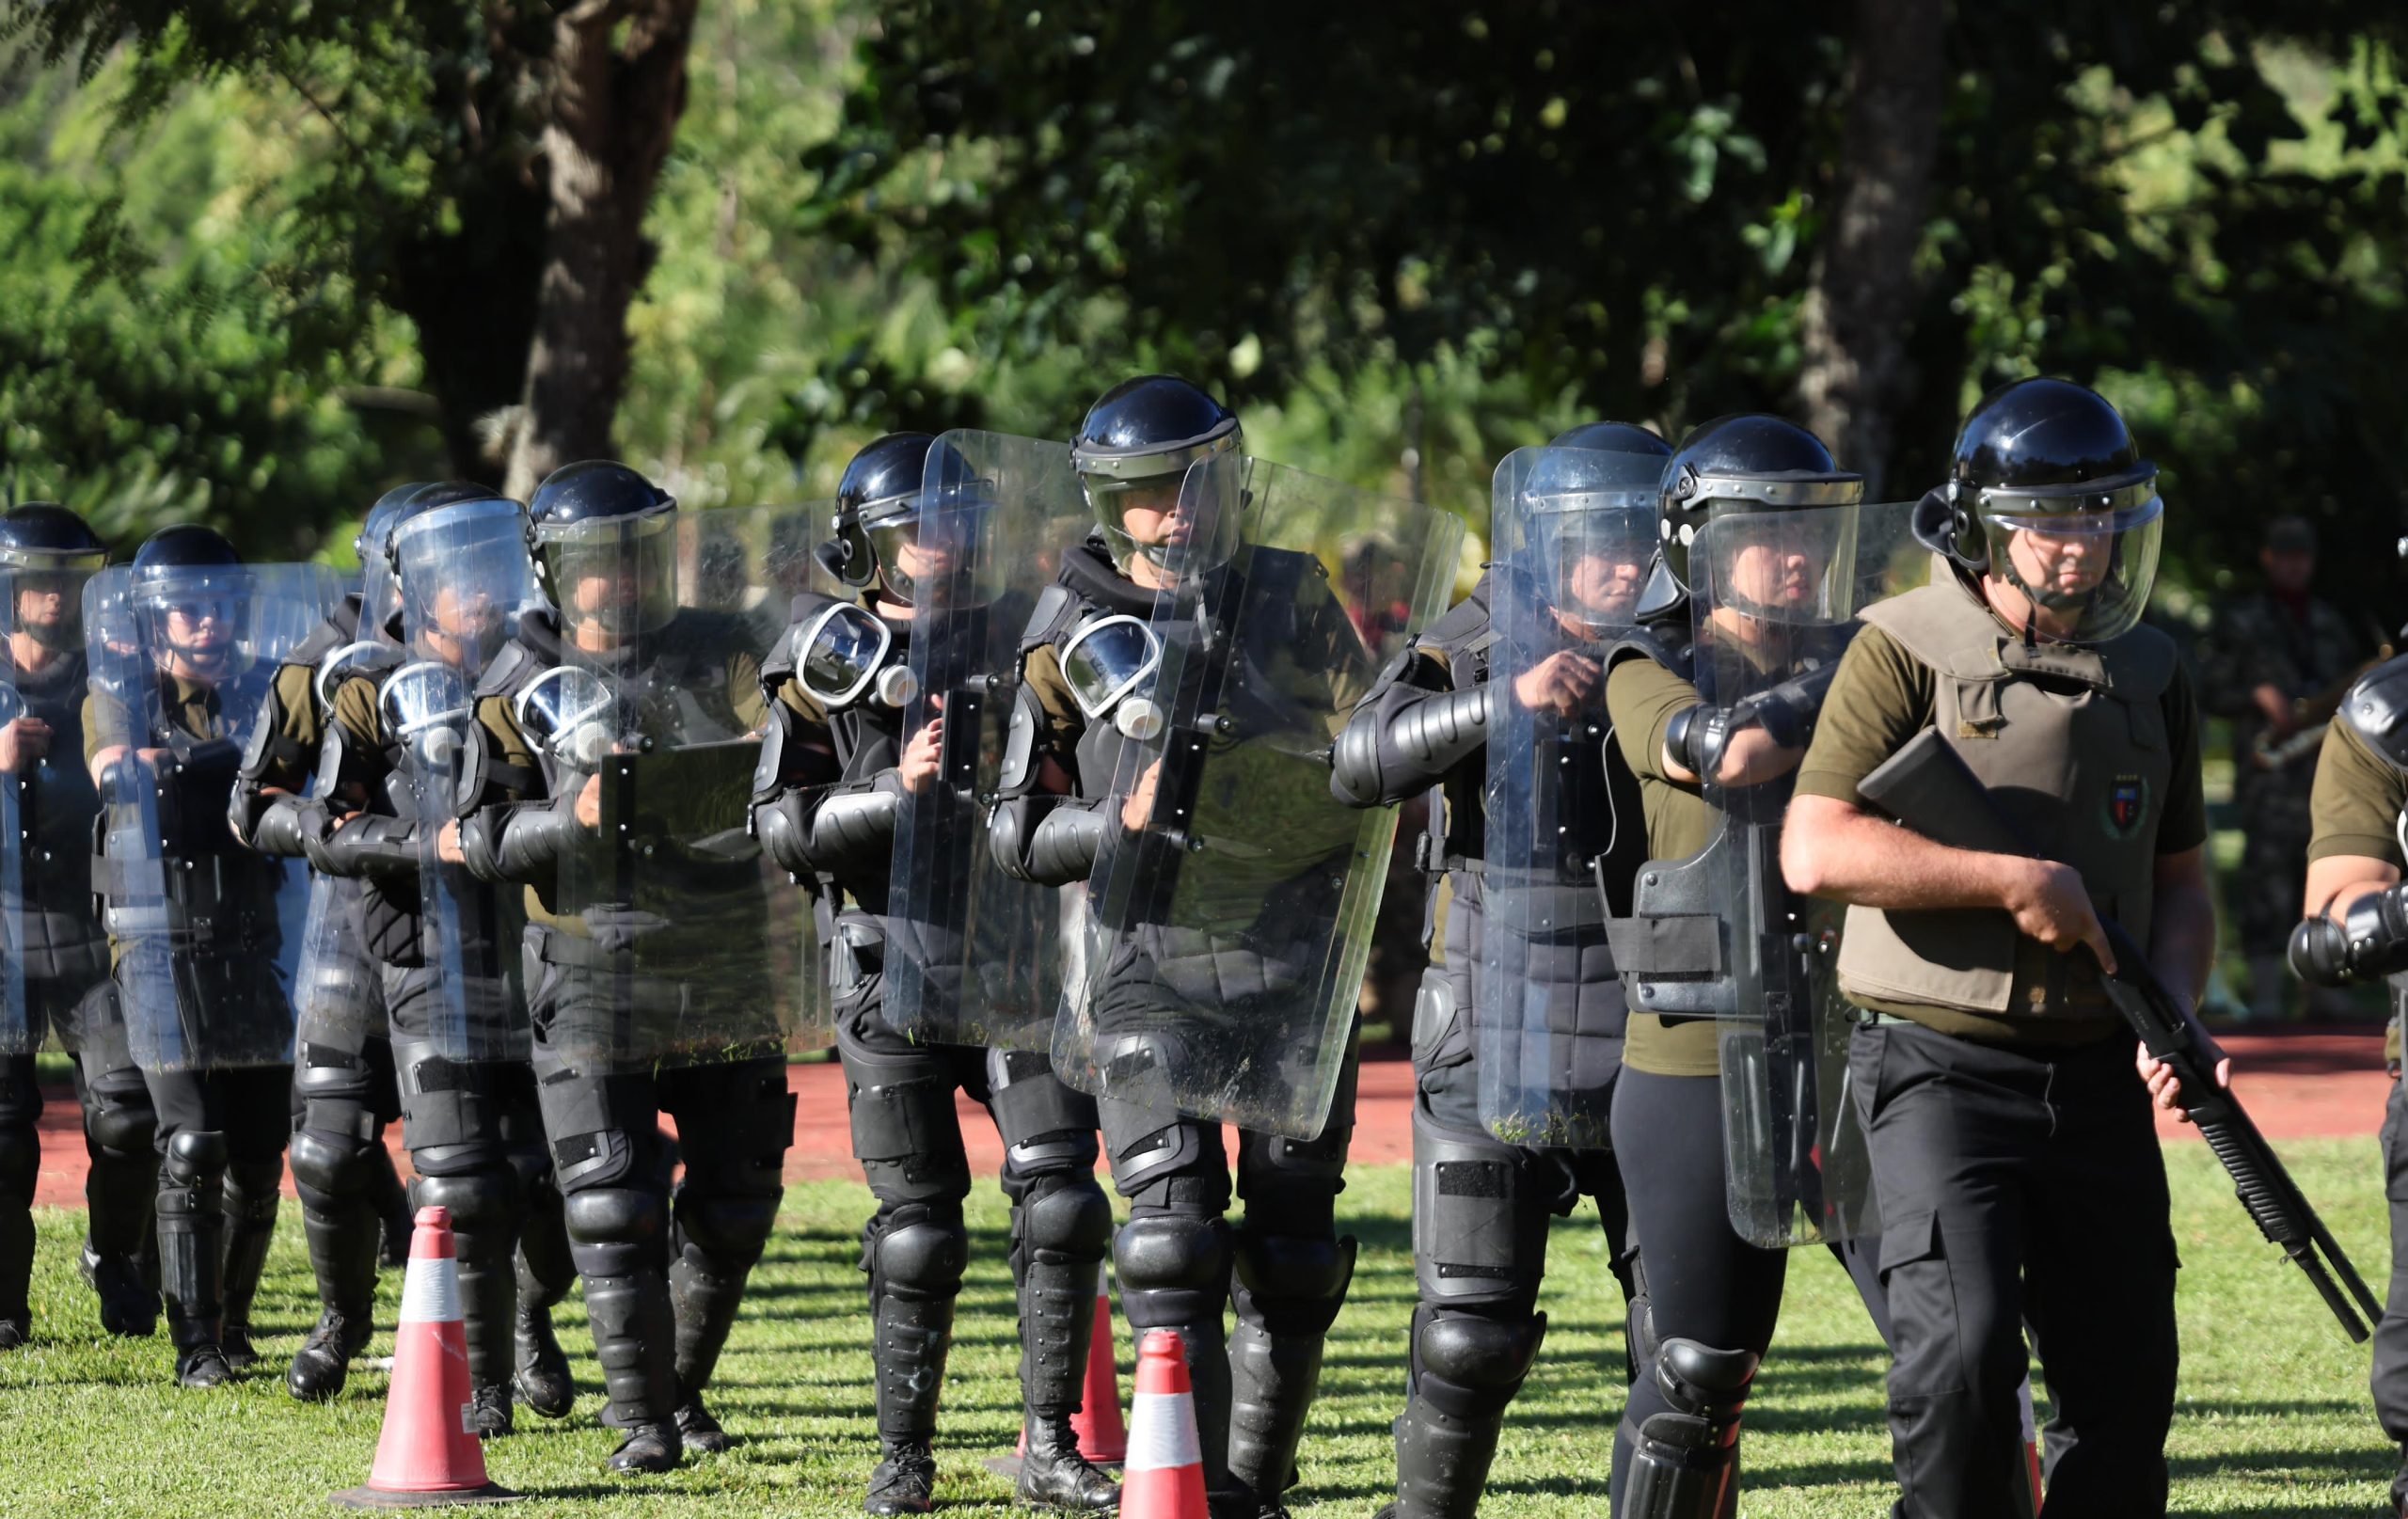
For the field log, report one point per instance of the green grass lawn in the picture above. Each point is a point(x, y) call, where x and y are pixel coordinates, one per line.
point(2273, 1420)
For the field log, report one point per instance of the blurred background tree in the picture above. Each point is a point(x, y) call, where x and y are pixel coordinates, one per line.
point(263, 263)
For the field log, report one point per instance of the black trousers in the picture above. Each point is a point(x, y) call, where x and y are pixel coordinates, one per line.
point(2021, 1185)
point(2390, 1380)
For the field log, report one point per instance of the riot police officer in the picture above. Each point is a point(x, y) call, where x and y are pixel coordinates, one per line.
point(648, 951)
point(1178, 1261)
point(1709, 701)
point(182, 645)
point(2008, 1117)
point(1573, 529)
point(47, 553)
point(2357, 929)
point(445, 572)
point(836, 766)
point(343, 1084)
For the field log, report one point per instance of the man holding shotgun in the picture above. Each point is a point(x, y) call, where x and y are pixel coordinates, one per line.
point(2009, 1123)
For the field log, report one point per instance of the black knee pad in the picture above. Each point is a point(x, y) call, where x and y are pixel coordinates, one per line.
point(1294, 1284)
point(329, 1169)
point(1469, 1365)
point(477, 1200)
point(20, 1161)
point(918, 1252)
point(1702, 1381)
point(1065, 1217)
point(195, 1156)
point(730, 1231)
point(118, 1121)
point(1173, 1269)
point(623, 1223)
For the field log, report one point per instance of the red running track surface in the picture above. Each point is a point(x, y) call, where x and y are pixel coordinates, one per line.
point(2305, 1083)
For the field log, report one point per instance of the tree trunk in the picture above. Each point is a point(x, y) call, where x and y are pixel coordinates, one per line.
point(1863, 290)
point(613, 113)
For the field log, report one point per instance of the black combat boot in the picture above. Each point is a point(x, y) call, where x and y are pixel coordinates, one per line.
point(706, 1296)
point(1057, 1331)
point(1054, 1475)
point(904, 1480)
point(120, 1254)
point(342, 1257)
point(633, 1337)
point(545, 1272)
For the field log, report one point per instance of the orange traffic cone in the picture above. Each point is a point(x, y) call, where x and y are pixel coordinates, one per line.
point(1165, 1478)
point(1103, 1438)
point(2029, 1499)
point(429, 1453)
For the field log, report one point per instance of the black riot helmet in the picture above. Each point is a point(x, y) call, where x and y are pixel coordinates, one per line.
point(46, 554)
point(877, 511)
point(2047, 492)
point(1749, 465)
point(191, 594)
point(1136, 448)
point(376, 527)
point(604, 542)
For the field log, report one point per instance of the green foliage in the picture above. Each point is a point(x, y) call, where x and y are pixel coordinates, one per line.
point(2188, 205)
point(160, 359)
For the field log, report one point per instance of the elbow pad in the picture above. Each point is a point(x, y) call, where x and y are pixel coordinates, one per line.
point(2372, 941)
point(1697, 736)
point(369, 844)
point(1388, 752)
point(519, 842)
point(1047, 841)
point(291, 827)
point(847, 831)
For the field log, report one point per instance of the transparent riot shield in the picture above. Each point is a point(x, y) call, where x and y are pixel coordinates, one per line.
point(461, 578)
point(18, 1037)
point(974, 956)
point(1229, 915)
point(1773, 602)
point(1570, 539)
point(208, 935)
point(335, 983)
point(675, 938)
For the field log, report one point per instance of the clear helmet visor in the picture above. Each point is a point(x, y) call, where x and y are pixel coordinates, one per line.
point(2087, 574)
point(943, 557)
point(429, 706)
point(1594, 559)
point(568, 711)
point(1183, 523)
point(47, 604)
point(1109, 660)
point(193, 620)
point(618, 575)
point(1797, 568)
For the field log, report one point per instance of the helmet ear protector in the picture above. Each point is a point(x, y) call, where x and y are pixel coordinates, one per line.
point(1943, 523)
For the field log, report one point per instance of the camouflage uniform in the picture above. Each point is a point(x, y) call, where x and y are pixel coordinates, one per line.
point(2259, 641)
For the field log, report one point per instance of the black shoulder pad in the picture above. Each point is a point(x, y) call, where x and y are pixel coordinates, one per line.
point(2377, 707)
point(512, 667)
point(1057, 610)
point(1657, 641)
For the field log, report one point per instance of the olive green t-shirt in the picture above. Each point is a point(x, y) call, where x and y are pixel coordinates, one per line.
point(2356, 802)
point(2356, 808)
point(1641, 699)
point(1882, 697)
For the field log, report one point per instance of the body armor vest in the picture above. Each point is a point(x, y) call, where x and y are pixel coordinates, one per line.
point(2072, 743)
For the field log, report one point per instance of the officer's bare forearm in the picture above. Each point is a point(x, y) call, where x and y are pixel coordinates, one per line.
point(1833, 850)
point(2182, 925)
